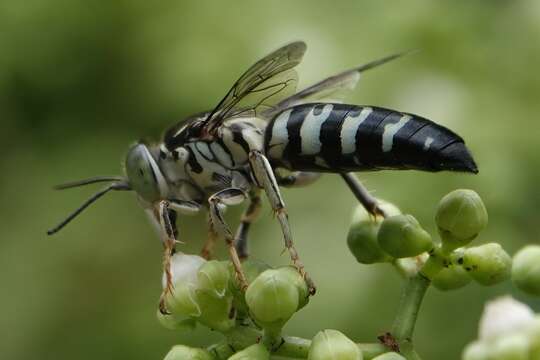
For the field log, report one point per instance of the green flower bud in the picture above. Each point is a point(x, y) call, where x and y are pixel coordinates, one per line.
point(362, 237)
point(476, 351)
point(214, 297)
point(460, 217)
point(297, 279)
point(200, 292)
point(174, 322)
point(181, 352)
point(488, 264)
point(252, 269)
point(511, 347)
point(362, 242)
point(272, 298)
point(526, 269)
point(451, 278)
point(213, 277)
point(216, 312)
point(254, 352)
point(184, 270)
point(332, 344)
point(389, 356)
point(402, 236)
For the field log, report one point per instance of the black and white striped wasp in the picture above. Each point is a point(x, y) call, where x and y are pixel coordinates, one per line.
point(228, 155)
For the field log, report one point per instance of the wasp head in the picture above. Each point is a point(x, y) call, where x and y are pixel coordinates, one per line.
point(144, 175)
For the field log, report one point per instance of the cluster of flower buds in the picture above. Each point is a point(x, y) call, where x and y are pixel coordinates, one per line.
point(200, 294)
point(207, 293)
point(377, 240)
point(450, 264)
point(509, 330)
point(460, 217)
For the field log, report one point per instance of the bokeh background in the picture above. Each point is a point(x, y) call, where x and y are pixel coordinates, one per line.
point(81, 80)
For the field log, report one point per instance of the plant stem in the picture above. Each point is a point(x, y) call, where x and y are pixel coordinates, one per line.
point(291, 346)
point(294, 347)
point(409, 306)
point(272, 338)
point(371, 350)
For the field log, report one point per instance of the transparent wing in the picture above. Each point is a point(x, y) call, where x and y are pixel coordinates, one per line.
point(264, 97)
point(332, 89)
point(267, 82)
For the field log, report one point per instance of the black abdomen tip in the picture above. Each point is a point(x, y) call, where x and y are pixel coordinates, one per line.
point(456, 157)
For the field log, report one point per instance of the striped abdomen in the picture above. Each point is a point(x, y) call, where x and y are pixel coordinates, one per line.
point(340, 137)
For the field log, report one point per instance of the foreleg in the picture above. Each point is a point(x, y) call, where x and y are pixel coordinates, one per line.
point(164, 215)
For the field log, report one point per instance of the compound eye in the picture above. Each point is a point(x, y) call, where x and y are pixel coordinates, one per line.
point(141, 173)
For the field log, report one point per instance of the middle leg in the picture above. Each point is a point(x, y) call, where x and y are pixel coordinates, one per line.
point(231, 196)
point(249, 216)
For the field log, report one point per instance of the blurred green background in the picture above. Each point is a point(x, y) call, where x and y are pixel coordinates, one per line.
point(81, 80)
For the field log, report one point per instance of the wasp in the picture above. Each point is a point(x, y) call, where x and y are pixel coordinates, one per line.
point(264, 135)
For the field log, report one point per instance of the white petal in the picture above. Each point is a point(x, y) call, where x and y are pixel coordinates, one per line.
point(504, 315)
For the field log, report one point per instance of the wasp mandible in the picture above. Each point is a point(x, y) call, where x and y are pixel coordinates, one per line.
point(230, 154)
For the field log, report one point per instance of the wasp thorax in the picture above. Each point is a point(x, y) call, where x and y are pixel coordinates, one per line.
point(144, 175)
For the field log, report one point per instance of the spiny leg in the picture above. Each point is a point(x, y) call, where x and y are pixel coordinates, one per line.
point(264, 175)
point(368, 201)
point(164, 216)
point(208, 248)
point(249, 215)
point(168, 246)
point(231, 196)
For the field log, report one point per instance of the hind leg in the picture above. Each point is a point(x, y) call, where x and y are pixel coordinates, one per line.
point(264, 175)
point(369, 202)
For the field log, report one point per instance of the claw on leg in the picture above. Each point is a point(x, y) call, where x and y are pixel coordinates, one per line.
point(169, 249)
point(369, 202)
point(295, 259)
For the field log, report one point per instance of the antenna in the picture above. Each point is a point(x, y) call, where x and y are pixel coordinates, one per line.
point(121, 184)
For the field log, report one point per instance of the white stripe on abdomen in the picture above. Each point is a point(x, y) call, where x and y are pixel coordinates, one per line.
point(311, 130)
point(349, 128)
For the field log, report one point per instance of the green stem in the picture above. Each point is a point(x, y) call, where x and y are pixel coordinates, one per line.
point(291, 347)
point(294, 347)
point(272, 338)
point(409, 306)
point(371, 350)
point(298, 348)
